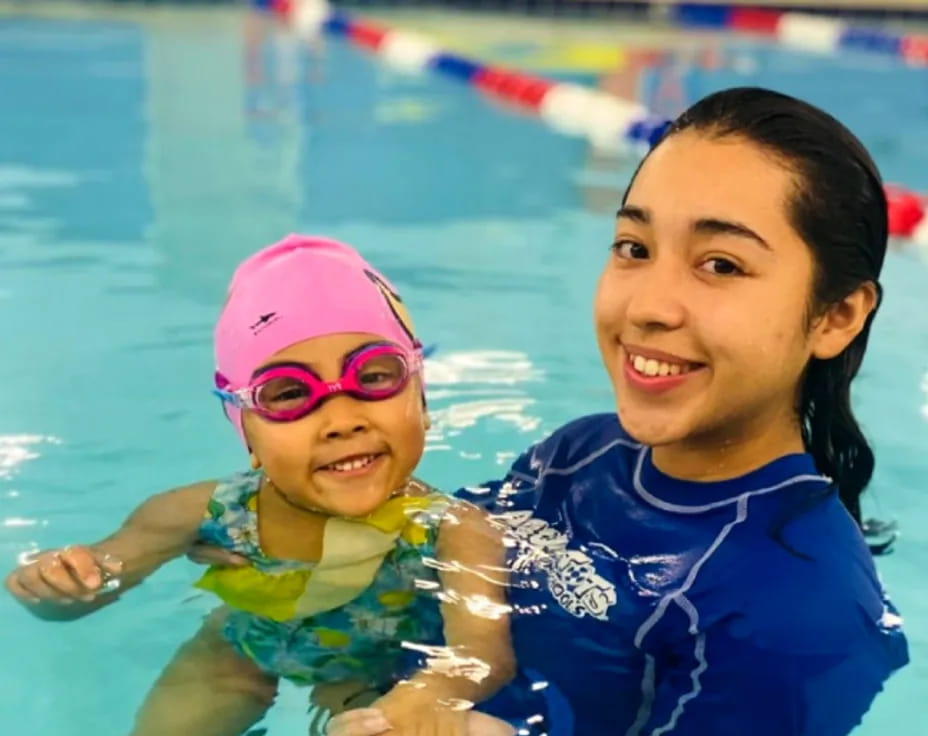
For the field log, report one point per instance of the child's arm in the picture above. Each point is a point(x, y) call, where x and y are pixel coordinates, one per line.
point(478, 659)
point(475, 609)
point(68, 583)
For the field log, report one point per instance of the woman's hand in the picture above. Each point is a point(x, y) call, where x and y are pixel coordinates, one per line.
point(412, 718)
point(358, 722)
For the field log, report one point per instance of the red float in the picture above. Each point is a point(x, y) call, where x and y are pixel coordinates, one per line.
point(367, 35)
point(755, 20)
point(906, 210)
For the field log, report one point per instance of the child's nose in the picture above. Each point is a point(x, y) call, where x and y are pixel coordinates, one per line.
point(342, 417)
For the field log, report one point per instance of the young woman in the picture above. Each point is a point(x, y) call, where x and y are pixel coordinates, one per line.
point(692, 564)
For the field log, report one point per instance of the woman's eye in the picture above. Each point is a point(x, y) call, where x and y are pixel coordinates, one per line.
point(630, 250)
point(721, 267)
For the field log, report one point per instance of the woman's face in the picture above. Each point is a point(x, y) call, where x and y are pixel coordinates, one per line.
point(701, 310)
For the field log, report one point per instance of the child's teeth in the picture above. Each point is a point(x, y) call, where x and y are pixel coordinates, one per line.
point(354, 464)
point(651, 367)
point(674, 370)
point(639, 363)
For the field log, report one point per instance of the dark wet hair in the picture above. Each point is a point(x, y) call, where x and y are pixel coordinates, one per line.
point(838, 208)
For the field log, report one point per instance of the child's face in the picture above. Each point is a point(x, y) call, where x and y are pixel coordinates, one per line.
point(346, 456)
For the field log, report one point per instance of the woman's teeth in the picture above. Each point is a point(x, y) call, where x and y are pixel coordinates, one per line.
point(354, 464)
point(651, 368)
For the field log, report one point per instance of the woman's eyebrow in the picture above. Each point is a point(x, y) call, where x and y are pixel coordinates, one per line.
point(702, 226)
point(636, 214)
point(717, 226)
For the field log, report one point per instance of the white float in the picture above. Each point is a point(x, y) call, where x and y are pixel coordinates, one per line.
point(609, 119)
point(308, 17)
point(920, 233)
point(408, 52)
point(810, 32)
point(567, 108)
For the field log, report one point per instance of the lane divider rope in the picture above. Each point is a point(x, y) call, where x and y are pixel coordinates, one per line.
point(608, 122)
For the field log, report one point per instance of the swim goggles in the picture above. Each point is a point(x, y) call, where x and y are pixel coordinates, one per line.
point(285, 392)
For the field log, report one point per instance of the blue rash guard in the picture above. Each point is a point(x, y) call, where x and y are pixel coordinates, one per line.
point(648, 605)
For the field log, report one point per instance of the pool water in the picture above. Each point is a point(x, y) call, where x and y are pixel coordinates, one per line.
point(139, 163)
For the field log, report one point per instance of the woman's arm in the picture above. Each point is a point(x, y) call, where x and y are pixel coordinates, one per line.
point(726, 682)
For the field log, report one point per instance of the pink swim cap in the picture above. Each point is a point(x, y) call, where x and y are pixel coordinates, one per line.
point(299, 288)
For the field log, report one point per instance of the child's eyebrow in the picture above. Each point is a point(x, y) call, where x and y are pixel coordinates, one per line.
point(312, 368)
point(281, 364)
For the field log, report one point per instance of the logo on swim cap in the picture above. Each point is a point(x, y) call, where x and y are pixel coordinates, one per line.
point(396, 305)
point(263, 321)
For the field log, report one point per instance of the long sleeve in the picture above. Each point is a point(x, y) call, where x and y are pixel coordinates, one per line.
point(717, 682)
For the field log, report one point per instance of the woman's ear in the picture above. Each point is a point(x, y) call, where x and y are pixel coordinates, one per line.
point(843, 321)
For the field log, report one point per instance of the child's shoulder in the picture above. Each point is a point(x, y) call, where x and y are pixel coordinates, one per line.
point(237, 491)
point(416, 512)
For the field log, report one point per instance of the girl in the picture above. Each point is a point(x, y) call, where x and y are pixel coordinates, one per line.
point(320, 374)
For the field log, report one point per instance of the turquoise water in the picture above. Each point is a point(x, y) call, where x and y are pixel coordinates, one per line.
point(137, 166)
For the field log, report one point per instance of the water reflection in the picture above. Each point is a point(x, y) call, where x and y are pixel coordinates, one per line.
point(16, 449)
point(498, 367)
point(478, 388)
point(925, 391)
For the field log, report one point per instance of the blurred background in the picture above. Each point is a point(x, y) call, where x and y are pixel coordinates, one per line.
point(475, 151)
